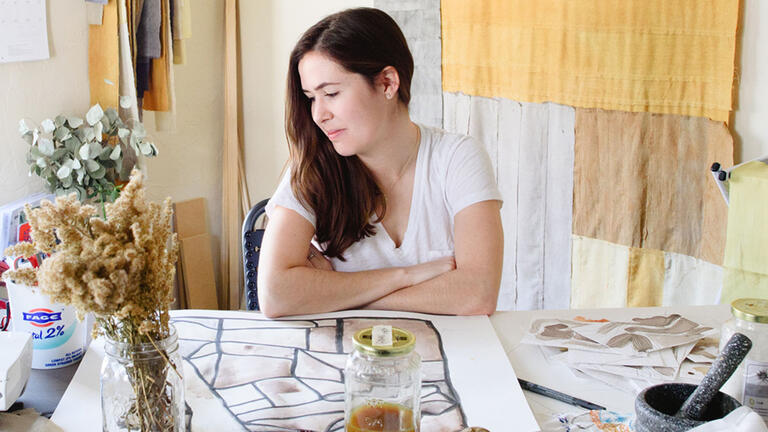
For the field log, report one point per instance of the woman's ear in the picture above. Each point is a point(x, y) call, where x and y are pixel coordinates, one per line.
point(389, 81)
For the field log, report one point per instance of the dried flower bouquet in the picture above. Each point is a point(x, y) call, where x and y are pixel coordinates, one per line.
point(122, 270)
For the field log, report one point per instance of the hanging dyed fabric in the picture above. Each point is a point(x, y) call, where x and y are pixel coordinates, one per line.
point(632, 55)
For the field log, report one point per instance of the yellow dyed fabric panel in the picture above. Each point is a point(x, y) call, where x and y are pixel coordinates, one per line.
point(645, 280)
point(642, 180)
point(738, 283)
point(747, 244)
point(599, 273)
point(104, 59)
point(660, 56)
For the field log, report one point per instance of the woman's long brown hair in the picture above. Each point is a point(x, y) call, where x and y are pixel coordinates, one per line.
point(341, 190)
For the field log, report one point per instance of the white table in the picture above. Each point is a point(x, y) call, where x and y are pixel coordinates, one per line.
point(530, 364)
point(528, 361)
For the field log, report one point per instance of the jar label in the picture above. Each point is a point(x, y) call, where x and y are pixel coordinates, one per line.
point(756, 387)
point(381, 336)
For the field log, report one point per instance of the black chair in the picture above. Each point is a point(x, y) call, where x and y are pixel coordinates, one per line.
point(252, 238)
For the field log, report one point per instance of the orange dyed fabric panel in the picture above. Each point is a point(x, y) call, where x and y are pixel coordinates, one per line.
point(643, 180)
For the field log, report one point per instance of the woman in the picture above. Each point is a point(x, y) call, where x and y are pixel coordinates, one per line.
point(402, 216)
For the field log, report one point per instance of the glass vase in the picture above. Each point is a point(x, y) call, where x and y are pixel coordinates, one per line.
point(141, 386)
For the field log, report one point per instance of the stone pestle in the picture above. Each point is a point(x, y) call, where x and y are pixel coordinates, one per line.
point(733, 353)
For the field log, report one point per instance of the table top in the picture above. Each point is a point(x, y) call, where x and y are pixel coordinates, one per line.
point(46, 387)
point(530, 363)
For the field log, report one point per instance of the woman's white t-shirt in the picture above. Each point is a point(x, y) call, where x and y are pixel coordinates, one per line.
point(452, 172)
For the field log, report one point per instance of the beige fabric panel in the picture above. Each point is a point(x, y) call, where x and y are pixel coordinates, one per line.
point(643, 180)
point(599, 275)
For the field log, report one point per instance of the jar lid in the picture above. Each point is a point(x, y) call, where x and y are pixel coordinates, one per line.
point(401, 341)
point(750, 309)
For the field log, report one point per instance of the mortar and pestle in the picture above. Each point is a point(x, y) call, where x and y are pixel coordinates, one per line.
point(677, 407)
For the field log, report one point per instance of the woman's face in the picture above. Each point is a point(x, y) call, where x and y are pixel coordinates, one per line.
point(344, 105)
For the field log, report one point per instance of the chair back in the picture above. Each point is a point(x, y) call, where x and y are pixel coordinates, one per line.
point(251, 250)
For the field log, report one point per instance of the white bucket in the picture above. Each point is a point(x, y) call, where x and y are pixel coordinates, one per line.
point(58, 337)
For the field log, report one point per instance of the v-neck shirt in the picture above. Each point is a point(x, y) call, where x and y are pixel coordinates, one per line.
point(452, 172)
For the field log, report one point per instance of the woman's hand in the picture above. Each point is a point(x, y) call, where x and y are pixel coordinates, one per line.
point(316, 259)
point(423, 272)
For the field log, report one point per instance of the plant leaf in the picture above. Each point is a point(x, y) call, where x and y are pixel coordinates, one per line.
point(90, 134)
point(58, 154)
point(67, 181)
point(84, 152)
point(91, 165)
point(23, 127)
point(74, 122)
point(41, 162)
point(95, 150)
point(99, 173)
point(61, 134)
point(35, 152)
point(116, 153)
point(112, 115)
point(72, 144)
point(48, 126)
point(46, 146)
point(98, 129)
point(94, 114)
point(126, 102)
point(145, 147)
point(64, 172)
point(105, 152)
point(76, 164)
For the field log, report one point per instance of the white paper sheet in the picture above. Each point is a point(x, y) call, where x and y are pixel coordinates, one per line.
point(479, 372)
point(23, 31)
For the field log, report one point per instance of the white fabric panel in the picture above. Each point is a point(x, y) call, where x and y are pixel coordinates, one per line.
point(690, 281)
point(484, 126)
point(531, 147)
point(559, 212)
point(456, 112)
point(420, 22)
point(531, 205)
point(510, 115)
point(599, 274)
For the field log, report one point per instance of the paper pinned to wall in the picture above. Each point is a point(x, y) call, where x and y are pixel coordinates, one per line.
point(23, 31)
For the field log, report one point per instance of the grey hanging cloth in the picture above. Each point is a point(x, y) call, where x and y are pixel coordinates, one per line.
point(148, 45)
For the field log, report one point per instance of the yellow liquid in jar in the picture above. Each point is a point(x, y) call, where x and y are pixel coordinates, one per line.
point(381, 417)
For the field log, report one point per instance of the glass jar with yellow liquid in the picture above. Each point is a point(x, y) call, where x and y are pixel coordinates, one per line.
point(382, 382)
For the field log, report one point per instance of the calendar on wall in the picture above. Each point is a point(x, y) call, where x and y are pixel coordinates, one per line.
point(23, 31)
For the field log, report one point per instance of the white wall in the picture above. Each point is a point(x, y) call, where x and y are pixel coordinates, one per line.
point(750, 120)
point(268, 31)
point(42, 89)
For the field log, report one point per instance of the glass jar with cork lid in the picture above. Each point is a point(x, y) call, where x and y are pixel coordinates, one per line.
point(382, 381)
point(749, 383)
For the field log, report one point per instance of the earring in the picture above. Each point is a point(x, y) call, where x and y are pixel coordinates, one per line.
point(389, 95)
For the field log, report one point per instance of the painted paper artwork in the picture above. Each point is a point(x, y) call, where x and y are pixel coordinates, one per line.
point(244, 372)
point(636, 336)
point(273, 375)
point(630, 354)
